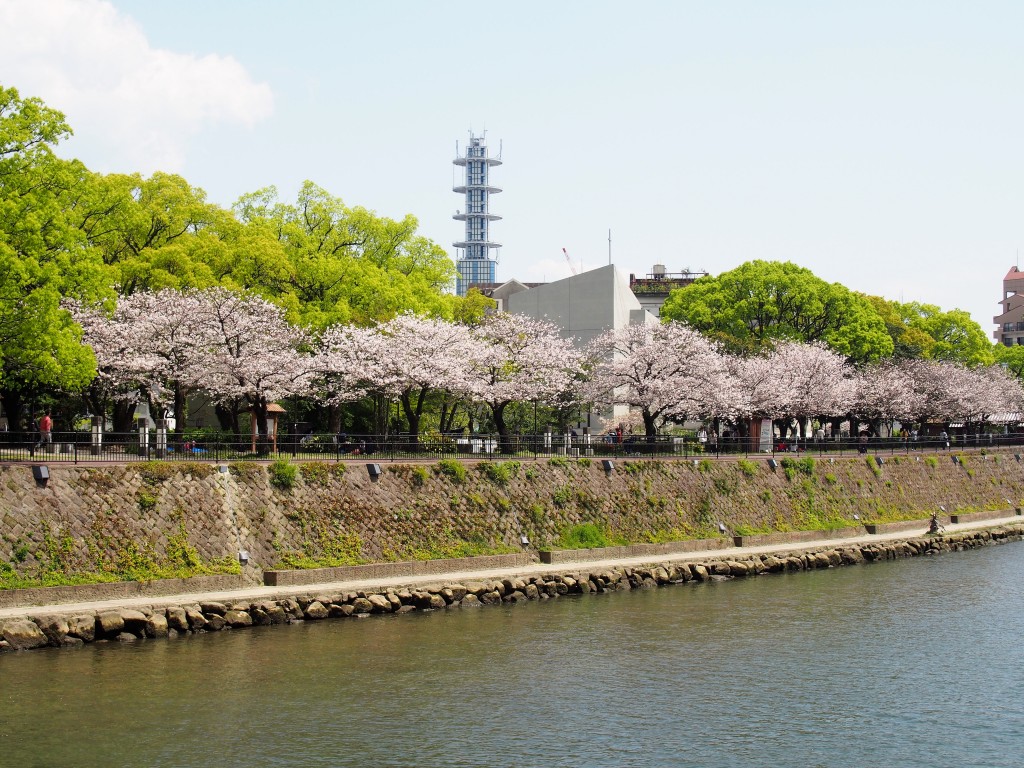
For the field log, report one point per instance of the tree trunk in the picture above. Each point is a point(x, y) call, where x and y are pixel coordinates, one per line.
point(413, 413)
point(498, 412)
point(259, 406)
point(180, 408)
point(650, 428)
point(123, 413)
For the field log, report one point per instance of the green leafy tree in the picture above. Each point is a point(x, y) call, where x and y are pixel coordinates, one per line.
point(1011, 358)
point(761, 302)
point(909, 341)
point(957, 338)
point(43, 256)
point(339, 264)
point(155, 233)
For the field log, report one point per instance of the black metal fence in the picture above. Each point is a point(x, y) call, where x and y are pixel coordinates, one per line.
point(144, 446)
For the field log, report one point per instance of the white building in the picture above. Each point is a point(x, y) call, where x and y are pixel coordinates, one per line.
point(583, 307)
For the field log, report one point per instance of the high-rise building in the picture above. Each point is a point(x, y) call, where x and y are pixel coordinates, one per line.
point(1010, 322)
point(475, 263)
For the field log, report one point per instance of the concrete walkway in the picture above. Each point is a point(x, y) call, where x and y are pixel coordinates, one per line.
point(257, 594)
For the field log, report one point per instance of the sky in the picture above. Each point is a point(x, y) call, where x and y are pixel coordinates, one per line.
point(876, 143)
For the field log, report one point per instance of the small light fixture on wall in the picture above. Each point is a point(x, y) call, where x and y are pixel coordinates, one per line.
point(879, 460)
point(41, 473)
point(373, 470)
point(721, 528)
point(524, 539)
point(243, 557)
point(773, 463)
point(607, 465)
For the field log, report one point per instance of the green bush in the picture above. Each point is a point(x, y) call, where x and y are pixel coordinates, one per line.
point(563, 495)
point(500, 472)
point(452, 469)
point(282, 475)
point(583, 462)
point(147, 501)
point(931, 461)
point(873, 466)
point(792, 466)
point(559, 461)
point(584, 536)
point(704, 465)
point(419, 476)
point(747, 467)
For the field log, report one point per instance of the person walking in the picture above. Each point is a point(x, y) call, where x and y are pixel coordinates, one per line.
point(45, 430)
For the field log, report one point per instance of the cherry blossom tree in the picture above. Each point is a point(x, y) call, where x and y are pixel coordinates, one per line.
point(810, 381)
point(885, 392)
point(401, 360)
point(418, 355)
point(518, 358)
point(664, 371)
point(252, 354)
point(148, 348)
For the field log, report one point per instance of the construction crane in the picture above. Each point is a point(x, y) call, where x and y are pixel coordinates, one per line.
point(571, 265)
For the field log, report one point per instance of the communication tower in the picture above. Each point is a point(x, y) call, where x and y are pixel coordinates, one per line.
point(475, 263)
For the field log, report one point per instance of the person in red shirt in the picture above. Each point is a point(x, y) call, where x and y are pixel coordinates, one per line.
point(46, 429)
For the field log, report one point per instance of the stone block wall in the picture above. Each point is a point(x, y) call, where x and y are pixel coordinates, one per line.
point(334, 514)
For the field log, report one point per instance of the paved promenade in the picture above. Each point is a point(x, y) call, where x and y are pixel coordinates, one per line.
point(254, 594)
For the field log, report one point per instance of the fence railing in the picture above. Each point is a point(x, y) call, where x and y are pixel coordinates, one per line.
point(144, 446)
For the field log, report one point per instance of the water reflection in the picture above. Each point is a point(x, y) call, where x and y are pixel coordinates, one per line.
point(914, 663)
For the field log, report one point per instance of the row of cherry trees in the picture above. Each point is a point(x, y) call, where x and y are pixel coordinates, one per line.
point(241, 351)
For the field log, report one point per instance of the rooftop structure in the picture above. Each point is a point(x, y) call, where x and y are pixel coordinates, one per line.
point(475, 263)
point(653, 289)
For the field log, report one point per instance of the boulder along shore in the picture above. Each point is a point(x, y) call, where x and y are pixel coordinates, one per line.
point(57, 626)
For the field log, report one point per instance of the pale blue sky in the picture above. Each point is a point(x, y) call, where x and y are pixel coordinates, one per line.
point(877, 143)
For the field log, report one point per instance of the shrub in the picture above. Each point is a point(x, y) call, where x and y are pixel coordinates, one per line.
point(931, 461)
point(747, 467)
point(452, 469)
point(584, 536)
point(704, 465)
point(583, 462)
point(282, 475)
point(500, 472)
point(147, 501)
point(536, 514)
point(419, 476)
point(559, 461)
point(792, 466)
point(873, 466)
point(563, 495)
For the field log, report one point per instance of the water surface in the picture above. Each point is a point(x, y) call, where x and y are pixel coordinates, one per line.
point(910, 663)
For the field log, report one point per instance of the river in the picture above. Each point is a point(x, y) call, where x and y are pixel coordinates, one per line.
point(910, 663)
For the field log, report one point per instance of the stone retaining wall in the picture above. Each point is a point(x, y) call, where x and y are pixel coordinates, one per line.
point(163, 621)
point(89, 519)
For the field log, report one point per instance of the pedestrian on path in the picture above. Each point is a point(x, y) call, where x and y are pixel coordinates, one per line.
point(45, 430)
